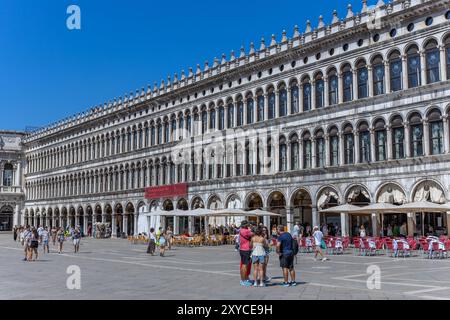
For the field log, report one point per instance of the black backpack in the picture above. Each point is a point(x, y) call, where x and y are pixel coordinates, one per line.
point(295, 246)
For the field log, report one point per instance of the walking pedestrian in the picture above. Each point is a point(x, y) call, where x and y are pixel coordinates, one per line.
point(245, 236)
point(266, 258)
point(26, 241)
point(33, 244)
point(45, 237)
point(76, 237)
point(15, 231)
point(162, 244)
point(152, 242)
point(61, 238)
point(319, 243)
point(54, 231)
point(286, 254)
point(169, 234)
point(258, 244)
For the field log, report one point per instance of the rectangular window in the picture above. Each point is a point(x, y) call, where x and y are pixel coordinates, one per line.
point(414, 79)
point(378, 79)
point(396, 74)
point(334, 151)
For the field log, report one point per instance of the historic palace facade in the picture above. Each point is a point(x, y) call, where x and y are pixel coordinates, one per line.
point(355, 111)
point(12, 193)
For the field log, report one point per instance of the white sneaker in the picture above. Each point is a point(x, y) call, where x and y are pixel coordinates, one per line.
point(324, 259)
point(255, 284)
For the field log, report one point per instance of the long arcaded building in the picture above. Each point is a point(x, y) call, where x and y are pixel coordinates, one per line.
point(351, 111)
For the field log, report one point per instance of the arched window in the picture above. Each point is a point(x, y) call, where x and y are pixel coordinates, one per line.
point(221, 117)
point(447, 55)
point(380, 140)
point(436, 132)
point(173, 129)
point(153, 136)
point(230, 119)
point(181, 127)
point(378, 75)
point(413, 60)
point(271, 114)
point(364, 142)
point(334, 146)
point(363, 77)
point(320, 91)
point(197, 124)
point(250, 110)
point(135, 139)
point(240, 112)
point(147, 136)
point(283, 102)
point(349, 145)
point(416, 130)
point(189, 124)
point(260, 101)
point(283, 154)
point(333, 87)
point(8, 175)
point(294, 98)
point(307, 151)
point(160, 133)
point(204, 121)
point(295, 163)
point(212, 119)
point(398, 137)
point(396, 71)
point(306, 95)
point(347, 77)
point(432, 60)
point(166, 131)
point(320, 149)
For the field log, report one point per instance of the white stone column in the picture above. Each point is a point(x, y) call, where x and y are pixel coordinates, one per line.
point(407, 139)
point(389, 144)
point(443, 60)
point(327, 150)
point(354, 84)
point(244, 121)
point(313, 153)
point(446, 134)
point(423, 68)
point(387, 76)
point(410, 223)
point(313, 95)
point(405, 84)
point(225, 117)
point(344, 231)
point(315, 218)
point(277, 104)
point(266, 106)
point(125, 224)
point(289, 101)
point(356, 147)
point(326, 91)
point(370, 80)
point(113, 225)
point(426, 137)
point(340, 90)
point(289, 219)
point(176, 223)
point(276, 157)
point(374, 225)
point(372, 150)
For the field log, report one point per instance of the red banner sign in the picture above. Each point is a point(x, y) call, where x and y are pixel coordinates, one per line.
point(175, 190)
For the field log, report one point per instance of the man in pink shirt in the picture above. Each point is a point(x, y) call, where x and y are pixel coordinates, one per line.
point(245, 236)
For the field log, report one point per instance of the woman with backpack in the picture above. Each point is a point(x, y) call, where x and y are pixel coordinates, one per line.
point(33, 244)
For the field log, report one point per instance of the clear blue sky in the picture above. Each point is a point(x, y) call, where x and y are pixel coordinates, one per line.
point(48, 72)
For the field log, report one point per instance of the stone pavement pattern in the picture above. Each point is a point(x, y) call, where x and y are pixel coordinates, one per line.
point(116, 269)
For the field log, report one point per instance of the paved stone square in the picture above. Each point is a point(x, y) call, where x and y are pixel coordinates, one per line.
point(117, 269)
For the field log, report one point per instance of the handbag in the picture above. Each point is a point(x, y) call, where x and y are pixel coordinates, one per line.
point(323, 245)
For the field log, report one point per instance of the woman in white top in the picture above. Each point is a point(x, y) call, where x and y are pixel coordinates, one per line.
point(151, 242)
point(259, 244)
point(318, 236)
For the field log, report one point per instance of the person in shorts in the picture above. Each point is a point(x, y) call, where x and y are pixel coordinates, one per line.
point(318, 236)
point(162, 243)
point(45, 237)
point(259, 244)
point(286, 254)
point(245, 236)
point(76, 237)
point(61, 238)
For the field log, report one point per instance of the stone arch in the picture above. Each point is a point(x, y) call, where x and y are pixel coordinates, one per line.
point(357, 195)
point(428, 190)
point(390, 192)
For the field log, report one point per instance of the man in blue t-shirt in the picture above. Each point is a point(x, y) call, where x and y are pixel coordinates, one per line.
point(286, 253)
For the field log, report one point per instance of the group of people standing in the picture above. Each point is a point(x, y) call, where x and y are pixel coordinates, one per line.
point(31, 238)
point(254, 249)
point(161, 239)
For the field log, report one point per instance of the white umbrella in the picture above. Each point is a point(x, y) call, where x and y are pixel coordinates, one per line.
point(261, 213)
point(380, 208)
point(345, 208)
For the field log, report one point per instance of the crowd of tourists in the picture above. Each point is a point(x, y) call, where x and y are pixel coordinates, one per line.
point(253, 243)
point(160, 240)
point(31, 238)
